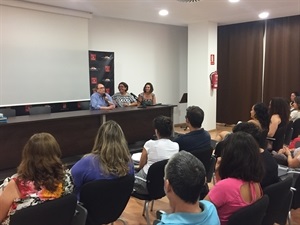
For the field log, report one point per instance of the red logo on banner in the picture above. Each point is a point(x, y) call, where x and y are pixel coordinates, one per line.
point(93, 57)
point(93, 80)
point(27, 107)
point(107, 69)
point(107, 90)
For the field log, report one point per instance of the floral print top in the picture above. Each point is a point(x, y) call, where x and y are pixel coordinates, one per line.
point(30, 196)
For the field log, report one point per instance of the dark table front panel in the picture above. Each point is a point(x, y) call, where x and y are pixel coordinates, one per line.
point(74, 131)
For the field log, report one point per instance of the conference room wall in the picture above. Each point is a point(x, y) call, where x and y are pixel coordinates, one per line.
point(145, 52)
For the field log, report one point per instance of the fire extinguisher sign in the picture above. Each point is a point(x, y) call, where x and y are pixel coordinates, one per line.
point(212, 59)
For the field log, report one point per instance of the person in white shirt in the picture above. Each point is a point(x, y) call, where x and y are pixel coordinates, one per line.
point(155, 150)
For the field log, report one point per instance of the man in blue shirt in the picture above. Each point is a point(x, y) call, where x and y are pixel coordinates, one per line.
point(100, 99)
point(197, 138)
point(184, 178)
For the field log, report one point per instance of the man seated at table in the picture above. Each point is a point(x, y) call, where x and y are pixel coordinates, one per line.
point(100, 99)
point(184, 178)
point(197, 138)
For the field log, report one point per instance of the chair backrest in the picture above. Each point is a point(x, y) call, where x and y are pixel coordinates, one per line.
point(252, 214)
point(105, 200)
point(288, 133)
point(204, 155)
point(39, 110)
point(211, 170)
point(8, 112)
point(296, 197)
point(280, 198)
point(58, 211)
point(80, 215)
point(296, 128)
point(155, 179)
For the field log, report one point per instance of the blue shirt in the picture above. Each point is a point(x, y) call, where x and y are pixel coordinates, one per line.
point(193, 140)
point(88, 169)
point(97, 100)
point(208, 216)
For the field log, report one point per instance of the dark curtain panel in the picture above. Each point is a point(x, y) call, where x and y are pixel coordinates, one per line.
point(240, 52)
point(282, 64)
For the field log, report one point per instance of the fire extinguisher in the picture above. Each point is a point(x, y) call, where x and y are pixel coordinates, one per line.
point(214, 80)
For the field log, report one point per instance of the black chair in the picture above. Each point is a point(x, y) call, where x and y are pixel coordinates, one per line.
point(54, 212)
point(296, 128)
point(39, 110)
point(204, 155)
point(105, 200)
point(280, 199)
point(211, 170)
point(80, 215)
point(8, 112)
point(252, 214)
point(155, 186)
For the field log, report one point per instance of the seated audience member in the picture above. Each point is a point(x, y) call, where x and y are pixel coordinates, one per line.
point(292, 161)
point(239, 172)
point(122, 98)
point(40, 176)
point(294, 94)
point(295, 114)
point(270, 164)
point(184, 178)
point(100, 99)
point(279, 113)
point(197, 138)
point(147, 97)
point(155, 150)
point(109, 158)
point(258, 115)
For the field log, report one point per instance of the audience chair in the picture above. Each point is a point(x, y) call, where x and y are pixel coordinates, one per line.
point(252, 214)
point(296, 129)
point(280, 199)
point(288, 133)
point(53, 212)
point(155, 186)
point(39, 110)
point(204, 155)
point(80, 215)
point(211, 170)
point(105, 200)
point(8, 112)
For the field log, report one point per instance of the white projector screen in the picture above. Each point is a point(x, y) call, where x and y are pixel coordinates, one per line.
point(43, 57)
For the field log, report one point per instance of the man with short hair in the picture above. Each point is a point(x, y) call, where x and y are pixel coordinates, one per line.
point(184, 178)
point(100, 99)
point(197, 138)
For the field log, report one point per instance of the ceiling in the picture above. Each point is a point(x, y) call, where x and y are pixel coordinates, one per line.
point(180, 13)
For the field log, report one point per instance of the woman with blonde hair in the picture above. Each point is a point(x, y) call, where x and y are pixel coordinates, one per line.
point(109, 158)
point(40, 176)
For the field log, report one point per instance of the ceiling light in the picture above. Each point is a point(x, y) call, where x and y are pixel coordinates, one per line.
point(263, 15)
point(233, 1)
point(163, 12)
point(189, 0)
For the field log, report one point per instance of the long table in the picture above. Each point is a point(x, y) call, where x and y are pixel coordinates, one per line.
point(75, 131)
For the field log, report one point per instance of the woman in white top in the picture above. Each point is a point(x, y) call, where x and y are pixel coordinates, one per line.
point(155, 150)
point(295, 114)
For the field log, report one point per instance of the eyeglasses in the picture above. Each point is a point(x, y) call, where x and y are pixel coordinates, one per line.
point(101, 88)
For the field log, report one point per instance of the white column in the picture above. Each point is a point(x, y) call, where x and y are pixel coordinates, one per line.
point(202, 43)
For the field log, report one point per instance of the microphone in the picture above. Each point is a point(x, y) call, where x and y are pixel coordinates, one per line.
point(135, 97)
point(105, 99)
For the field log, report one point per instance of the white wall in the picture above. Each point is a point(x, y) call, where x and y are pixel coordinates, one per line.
point(145, 52)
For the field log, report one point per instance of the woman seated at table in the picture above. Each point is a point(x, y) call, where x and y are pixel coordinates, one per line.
point(155, 150)
point(147, 97)
point(40, 176)
point(123, 98)
point(109, 159)
point(239, 172)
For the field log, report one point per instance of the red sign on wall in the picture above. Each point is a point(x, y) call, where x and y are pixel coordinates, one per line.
point(212, 59)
